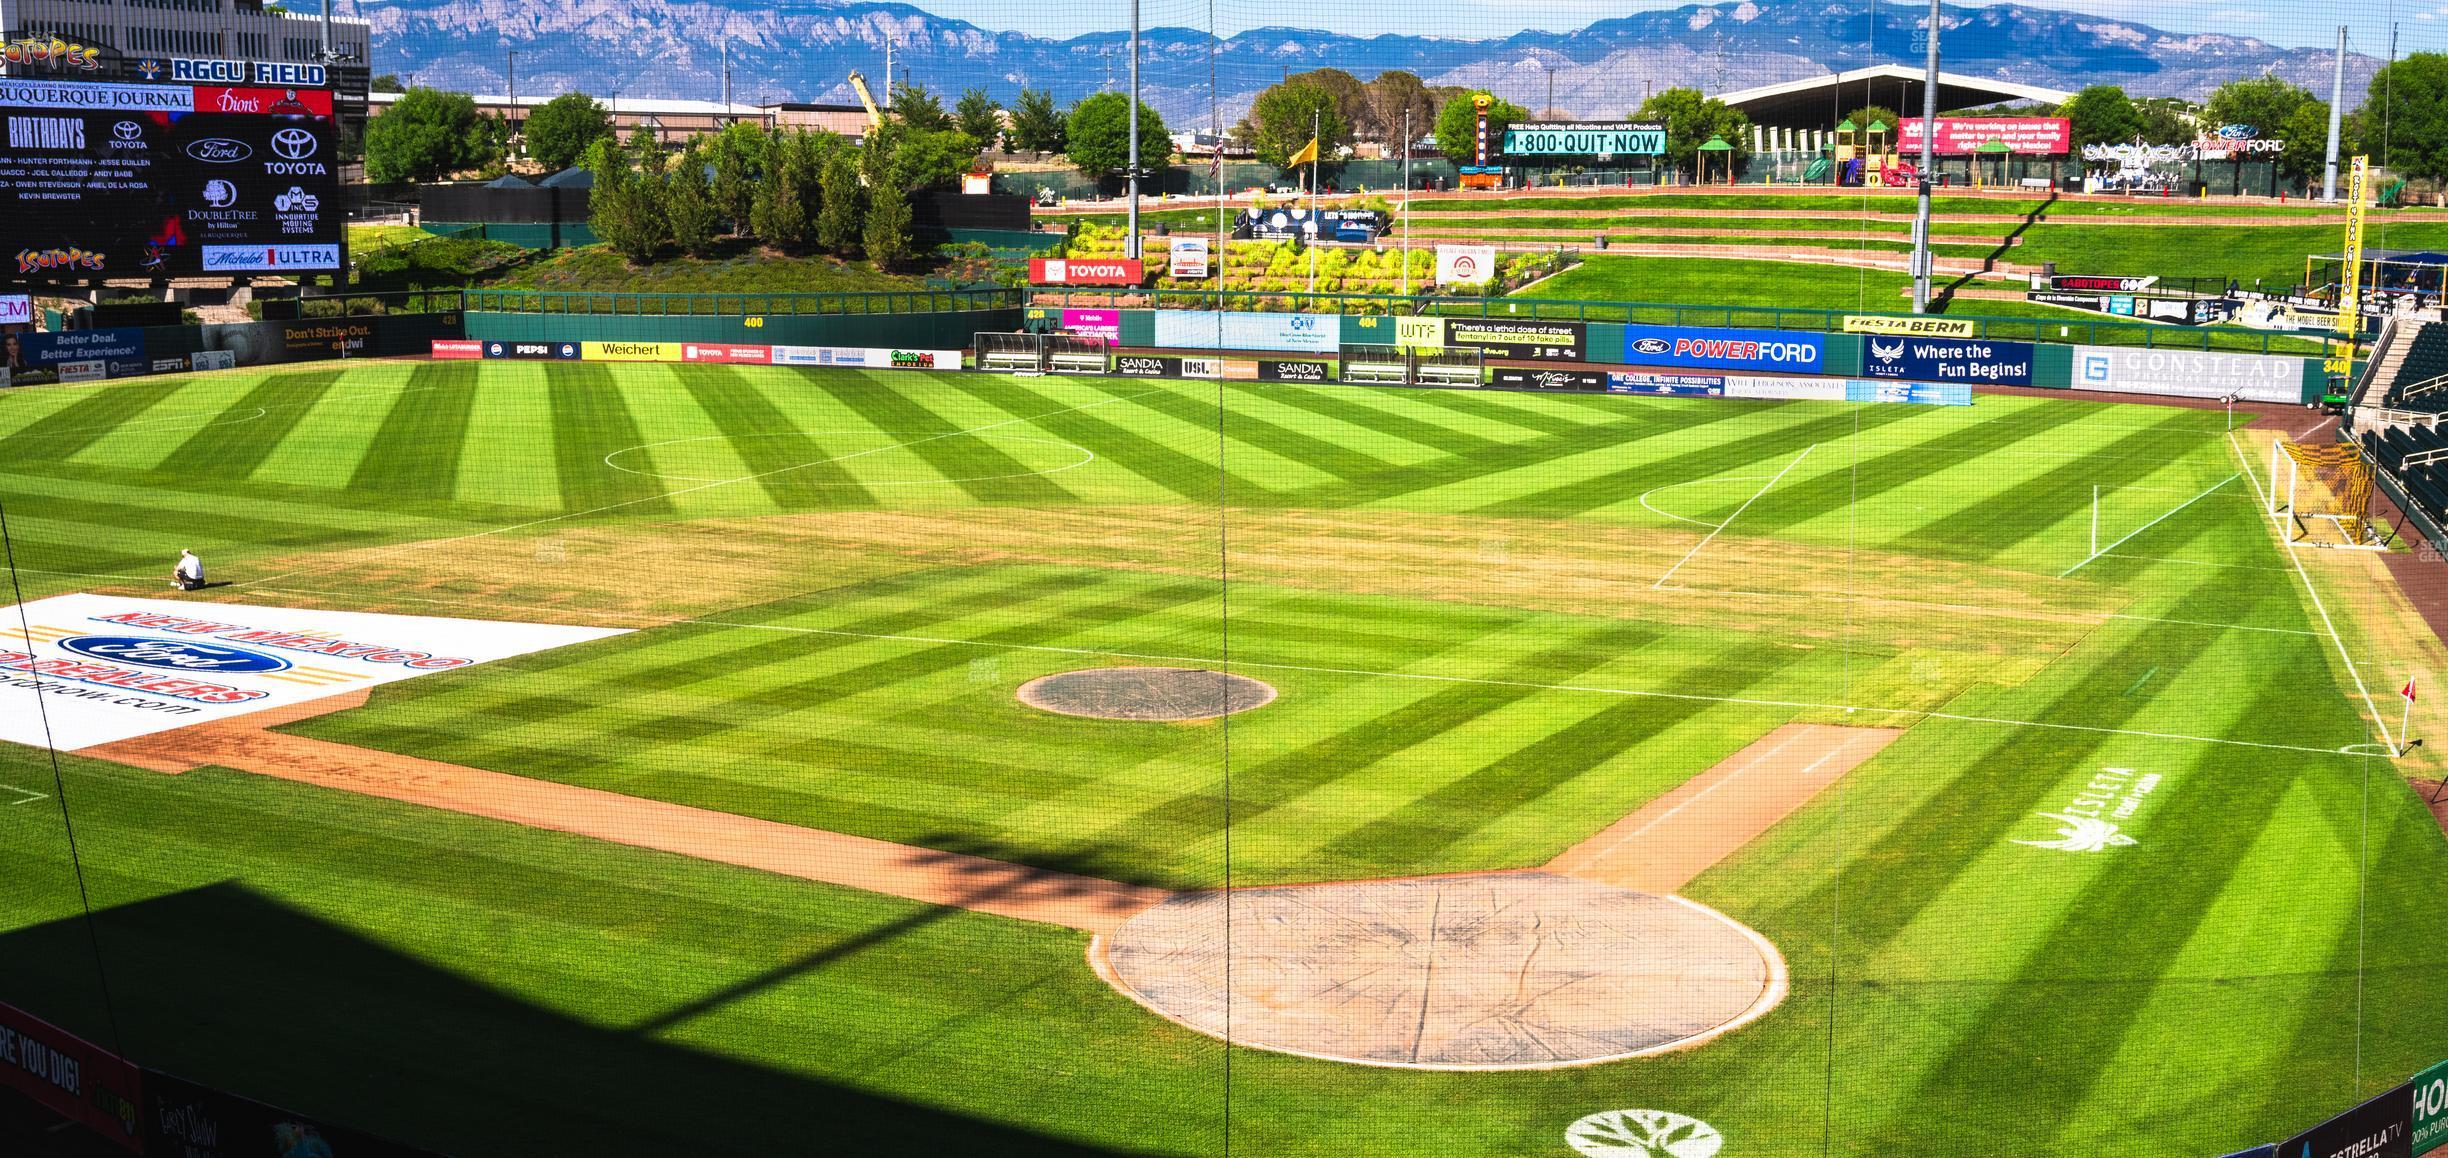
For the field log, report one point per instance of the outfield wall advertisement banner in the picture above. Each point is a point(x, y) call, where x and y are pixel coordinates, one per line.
point(1684, 385)
point(1106, 324)
point(530, 350)
point(2037, 136)
point(1973, 361)
point(1523, 340)
point(2430, 1112)
point(1214, 330)
point(1281, 370)
point(1146, 366)
point(2379, 1128)
point(193, 1121)
point(83, 355)
point(115, 668)
point(76, 1079)
point(620, 351)
point(1525, 378)
point(2189, 373)
point(1787, 350)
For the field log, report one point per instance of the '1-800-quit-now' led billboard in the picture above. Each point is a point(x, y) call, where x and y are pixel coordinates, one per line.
point(144, 180)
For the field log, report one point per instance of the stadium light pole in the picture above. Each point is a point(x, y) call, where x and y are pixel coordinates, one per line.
point(2337, 93)
point(1929, 140)
point(1130, 244)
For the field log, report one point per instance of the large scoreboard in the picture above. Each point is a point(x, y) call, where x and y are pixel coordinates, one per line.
point(105, 180)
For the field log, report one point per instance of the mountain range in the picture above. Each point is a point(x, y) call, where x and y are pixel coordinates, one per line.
point(803, 50)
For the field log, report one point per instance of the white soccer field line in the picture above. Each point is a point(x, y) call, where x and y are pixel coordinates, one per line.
point(2165, 516)
point(1729, 519)
point(550, 519)
point(25, 796)
point(2379, 718)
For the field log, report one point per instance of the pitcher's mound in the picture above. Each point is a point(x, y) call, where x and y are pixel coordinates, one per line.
point(1145, 693)
point(1486, 971)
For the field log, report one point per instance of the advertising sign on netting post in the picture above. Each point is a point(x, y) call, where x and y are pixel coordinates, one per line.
point(2431, 1109)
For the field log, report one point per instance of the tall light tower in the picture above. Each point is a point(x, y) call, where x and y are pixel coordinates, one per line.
point(1929, 142)
point(1130, 243)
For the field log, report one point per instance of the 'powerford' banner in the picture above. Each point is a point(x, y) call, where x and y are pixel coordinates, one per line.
point(1213, 330)
point(1723, 349)
point(2189, 373)
point(1968, 360)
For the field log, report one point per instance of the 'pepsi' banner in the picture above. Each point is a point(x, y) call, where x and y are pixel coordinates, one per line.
point(1724, 349)
point(1969, 360)
point(506, 349)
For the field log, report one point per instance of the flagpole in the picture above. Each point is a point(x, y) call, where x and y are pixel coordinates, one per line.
point(1406, 202)
point(2405, 720)
point(1316, 121)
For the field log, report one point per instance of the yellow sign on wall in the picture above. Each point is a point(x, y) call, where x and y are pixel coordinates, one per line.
point(629, 351)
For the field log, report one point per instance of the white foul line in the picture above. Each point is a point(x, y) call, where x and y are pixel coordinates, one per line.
point(1729, 519)
point(2171, 511)
point(2379, 719)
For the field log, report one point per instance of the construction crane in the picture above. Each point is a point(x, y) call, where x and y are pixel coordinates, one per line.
point(858, 84)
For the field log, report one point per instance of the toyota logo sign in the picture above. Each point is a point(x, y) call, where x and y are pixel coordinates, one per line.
point(127, 130)
point(294, 144)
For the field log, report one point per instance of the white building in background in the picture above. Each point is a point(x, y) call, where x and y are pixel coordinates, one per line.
point(219, 41)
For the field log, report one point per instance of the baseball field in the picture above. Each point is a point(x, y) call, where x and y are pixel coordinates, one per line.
point(2017, 788)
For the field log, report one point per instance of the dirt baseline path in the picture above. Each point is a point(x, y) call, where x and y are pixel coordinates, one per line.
point(1679, 835)
point(919, 874)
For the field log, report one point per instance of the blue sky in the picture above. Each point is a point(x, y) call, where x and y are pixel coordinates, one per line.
point(2422, 24)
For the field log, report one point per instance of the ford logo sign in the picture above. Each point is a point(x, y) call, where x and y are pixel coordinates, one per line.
point(219, 150)
point(1651, 345)
point(2235, 132)
point(175, 654)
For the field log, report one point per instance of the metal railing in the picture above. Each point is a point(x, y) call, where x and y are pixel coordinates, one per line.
point(628, 304)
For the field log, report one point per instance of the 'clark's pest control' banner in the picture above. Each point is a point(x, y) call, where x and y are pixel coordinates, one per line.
point(112, 668)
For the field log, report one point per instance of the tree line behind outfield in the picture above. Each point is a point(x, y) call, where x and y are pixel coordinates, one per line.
point(817, 191)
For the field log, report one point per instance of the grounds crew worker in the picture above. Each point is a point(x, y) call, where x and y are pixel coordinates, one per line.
point(189, 574)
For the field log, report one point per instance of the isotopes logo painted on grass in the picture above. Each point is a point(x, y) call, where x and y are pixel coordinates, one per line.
point(1643, 1134)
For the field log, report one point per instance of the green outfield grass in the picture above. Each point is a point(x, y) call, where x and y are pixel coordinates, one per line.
point(1498, 623)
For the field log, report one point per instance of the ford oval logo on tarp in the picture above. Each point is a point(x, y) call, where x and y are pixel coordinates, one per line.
point(1651, 345)
point(175, 654)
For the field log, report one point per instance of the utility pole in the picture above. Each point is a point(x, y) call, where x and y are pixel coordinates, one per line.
point(1929, 142)
point(888, 82)
point(1549, 111)
point(513, 76)
point(727, 82)
point(2337, 98)
point(1316, 122)
point(1130, 244)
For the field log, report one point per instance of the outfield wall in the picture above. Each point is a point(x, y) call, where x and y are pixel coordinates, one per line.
point(1710, 350)
point(950, 329)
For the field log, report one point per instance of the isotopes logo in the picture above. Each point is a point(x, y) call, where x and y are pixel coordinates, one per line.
point(175, 654)
point(53, 51)
point(45, 260)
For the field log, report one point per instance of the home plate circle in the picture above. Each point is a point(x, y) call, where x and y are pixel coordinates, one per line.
point(1481, 971)
point(1146, 693)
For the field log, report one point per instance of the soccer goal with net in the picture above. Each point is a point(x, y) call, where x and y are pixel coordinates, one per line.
point(2324, 492)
